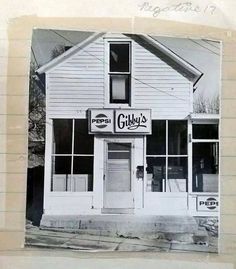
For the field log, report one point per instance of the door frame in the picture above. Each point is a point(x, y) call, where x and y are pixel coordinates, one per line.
point(119, 139)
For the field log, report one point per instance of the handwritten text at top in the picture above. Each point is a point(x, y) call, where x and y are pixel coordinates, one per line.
point(181, 7)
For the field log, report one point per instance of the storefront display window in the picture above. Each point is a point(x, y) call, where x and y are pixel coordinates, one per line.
point(167, 157)
point(72, 157)
point(205, 158)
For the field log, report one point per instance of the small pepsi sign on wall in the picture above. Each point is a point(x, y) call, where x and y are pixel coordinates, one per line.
point(101, 121)
point(207, 203)
point(120, 121)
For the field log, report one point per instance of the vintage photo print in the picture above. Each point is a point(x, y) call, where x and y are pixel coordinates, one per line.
point(123, 142)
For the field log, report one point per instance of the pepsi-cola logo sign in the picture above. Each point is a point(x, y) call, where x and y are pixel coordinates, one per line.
point(101, 121)
point(207, 203)
point(211, 203)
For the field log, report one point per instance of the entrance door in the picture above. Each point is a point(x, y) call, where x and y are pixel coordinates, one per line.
point(118, 186)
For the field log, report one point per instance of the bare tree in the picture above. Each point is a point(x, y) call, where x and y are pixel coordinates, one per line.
point(37, 111)
point(36, 106)
point(58, 50)
point(36, 119)
point(214, 105)
point(206, 105)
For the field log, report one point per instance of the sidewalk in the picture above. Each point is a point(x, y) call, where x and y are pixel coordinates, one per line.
point(85, 242)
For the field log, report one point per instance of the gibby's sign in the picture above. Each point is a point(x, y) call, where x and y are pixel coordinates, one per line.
point(133, 121)
point(120, 121)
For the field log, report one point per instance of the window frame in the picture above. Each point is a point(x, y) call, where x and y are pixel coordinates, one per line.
point(167, 155)
point(202, 140)
point(71, 155)
point(121, 40)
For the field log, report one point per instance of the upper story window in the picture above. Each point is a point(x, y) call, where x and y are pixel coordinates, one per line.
point(119, 72)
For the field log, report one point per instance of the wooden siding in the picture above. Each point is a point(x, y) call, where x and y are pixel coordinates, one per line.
point(158, 86)
point(78, 83)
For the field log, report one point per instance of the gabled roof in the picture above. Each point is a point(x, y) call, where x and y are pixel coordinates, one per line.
point(161, 51)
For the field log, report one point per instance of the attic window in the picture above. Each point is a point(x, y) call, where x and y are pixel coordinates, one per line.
point(119, 72)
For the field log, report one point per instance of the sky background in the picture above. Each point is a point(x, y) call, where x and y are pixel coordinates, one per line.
point(205, 55)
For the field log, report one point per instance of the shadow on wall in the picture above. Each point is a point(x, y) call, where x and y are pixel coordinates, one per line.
point(35, 183)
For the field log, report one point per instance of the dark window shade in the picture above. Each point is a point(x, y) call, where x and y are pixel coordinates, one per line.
point(61, 165)
point(62, 130)
point(177, 137)
point(119, 58)
point(156, 142)
point(205, 131)
point(83, 142)
point(83, 165)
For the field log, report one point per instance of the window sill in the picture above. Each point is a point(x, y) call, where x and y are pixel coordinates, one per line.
point(69, 193)
point(117, 106)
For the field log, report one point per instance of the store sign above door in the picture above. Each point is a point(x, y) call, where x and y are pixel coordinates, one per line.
point(120, 121)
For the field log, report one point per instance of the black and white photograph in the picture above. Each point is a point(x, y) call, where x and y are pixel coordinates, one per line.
point(123, 142)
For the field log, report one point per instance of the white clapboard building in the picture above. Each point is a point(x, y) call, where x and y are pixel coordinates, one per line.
point(121, 135)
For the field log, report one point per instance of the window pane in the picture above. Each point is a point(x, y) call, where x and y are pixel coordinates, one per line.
point(62, 130)
point(156, 142)
point(177, 137)
point(156, 174)
point(119, 57)
point(61, 171)
point(177, 174)
point(83, 165)
point(118, 167)
point(61, 164)
point(82, 140)
point(205, 131)
point(83, 173)
point(118, 155)
point(119, 146)
point(205, 167)
point(119, 88)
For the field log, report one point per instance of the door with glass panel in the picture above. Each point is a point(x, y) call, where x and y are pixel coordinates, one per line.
point(118, 189)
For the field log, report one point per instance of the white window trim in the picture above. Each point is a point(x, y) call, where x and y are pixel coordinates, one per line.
point(167, 155)
point(72, 155)
point(202, 121)
point(107, 103)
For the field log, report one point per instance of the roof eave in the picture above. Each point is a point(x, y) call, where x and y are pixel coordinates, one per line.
point(197, 74)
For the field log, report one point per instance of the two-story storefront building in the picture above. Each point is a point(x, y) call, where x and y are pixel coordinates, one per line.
point(121, 135)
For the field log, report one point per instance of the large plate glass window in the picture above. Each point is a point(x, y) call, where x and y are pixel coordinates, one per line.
point(72, 156)
point(167, 156)
point(119, 72)
point(205, 157)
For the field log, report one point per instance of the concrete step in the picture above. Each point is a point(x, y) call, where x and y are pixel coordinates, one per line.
point(199, 237)
point(171, 228)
